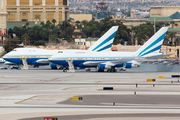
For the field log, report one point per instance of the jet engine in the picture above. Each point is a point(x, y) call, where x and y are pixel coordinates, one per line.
point(101, 67)
point(53, 66)
point(132, 64)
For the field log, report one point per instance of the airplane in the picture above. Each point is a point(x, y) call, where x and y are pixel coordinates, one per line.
point(37, 57)
point(111, 60)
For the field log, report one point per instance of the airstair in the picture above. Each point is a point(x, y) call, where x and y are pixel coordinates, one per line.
point(25, 64)
point(71, 66)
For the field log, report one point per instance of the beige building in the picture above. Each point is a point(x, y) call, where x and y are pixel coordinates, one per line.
point(159, 11)
point(3, 20)
point(3, 15)
point(133, 22)
point(81, 17)
point(37, 10)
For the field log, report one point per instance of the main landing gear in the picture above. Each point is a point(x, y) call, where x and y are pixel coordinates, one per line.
point(112, 70)
point(65, 69)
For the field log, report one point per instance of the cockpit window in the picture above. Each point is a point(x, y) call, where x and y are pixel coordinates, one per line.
point(60, 51)
point(14, 50)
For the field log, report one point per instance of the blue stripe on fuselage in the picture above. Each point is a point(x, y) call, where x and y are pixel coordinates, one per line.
point(30, 61)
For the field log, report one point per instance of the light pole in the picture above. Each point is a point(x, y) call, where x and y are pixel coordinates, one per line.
point(179, 49)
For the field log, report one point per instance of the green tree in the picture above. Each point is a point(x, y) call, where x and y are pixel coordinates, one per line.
point(172, 23)
point(54, 21)
point(176, 25)
point(43, 35)
point(26, 37)
point(27, 24)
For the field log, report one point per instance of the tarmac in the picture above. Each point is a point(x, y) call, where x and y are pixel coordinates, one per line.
point(41, 92)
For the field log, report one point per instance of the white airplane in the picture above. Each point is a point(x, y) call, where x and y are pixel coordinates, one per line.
point(37, 57)
point(110, 60)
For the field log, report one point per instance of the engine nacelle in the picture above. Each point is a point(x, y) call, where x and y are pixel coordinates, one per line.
point(128, 65)
point(132, 64)
point(53, 66)
point(9, 63)
point(103, 66)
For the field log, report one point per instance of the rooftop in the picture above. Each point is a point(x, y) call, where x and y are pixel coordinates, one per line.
point(160, 19)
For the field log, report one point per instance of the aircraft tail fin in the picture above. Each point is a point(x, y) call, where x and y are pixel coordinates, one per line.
point(153, 45)
point(105, 42)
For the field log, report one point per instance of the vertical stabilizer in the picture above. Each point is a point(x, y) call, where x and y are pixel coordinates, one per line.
point(105, 42)
point(153, 45)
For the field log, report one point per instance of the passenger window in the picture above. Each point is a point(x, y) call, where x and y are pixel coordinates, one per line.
point(60, 52)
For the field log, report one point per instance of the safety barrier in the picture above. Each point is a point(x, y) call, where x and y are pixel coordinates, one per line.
point(151, 80)
point(175, 76)
point(76, 98)
point(160, 76)
point(107, 88)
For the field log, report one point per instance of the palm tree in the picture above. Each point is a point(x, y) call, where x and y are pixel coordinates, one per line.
point(171, 35)
point(54, 21)
point(75, 34)
point(42, 24)
point(176, 25)
point(43, 35)
point(36, 29)
point(172, 23)
point(84, 22)
point(10, 32)
point(26, 36)
point(94, 29)
point(27, 24)
point(48, 25)
point(88, 29)
point(7, 38)
point(167, 24)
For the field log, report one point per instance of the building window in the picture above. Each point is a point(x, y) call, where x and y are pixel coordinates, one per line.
point(37, 2)
point(11, 8)
point(64, 2)
point(37, 15)
point(11, 2)
point(50, 8)
point(24, 8)
point(11, 16)
point(50, 2)
point(37, 8)
point(24, 2)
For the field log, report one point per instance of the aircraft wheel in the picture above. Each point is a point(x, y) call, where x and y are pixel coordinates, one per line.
point(60, 68)
point(65, 70)
point(114, 70)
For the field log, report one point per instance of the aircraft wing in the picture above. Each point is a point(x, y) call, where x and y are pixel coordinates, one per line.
point(43, 61)
point(112, 63)
point(158, 56)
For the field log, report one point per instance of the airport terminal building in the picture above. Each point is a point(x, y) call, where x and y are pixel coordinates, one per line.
point(37, 10)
